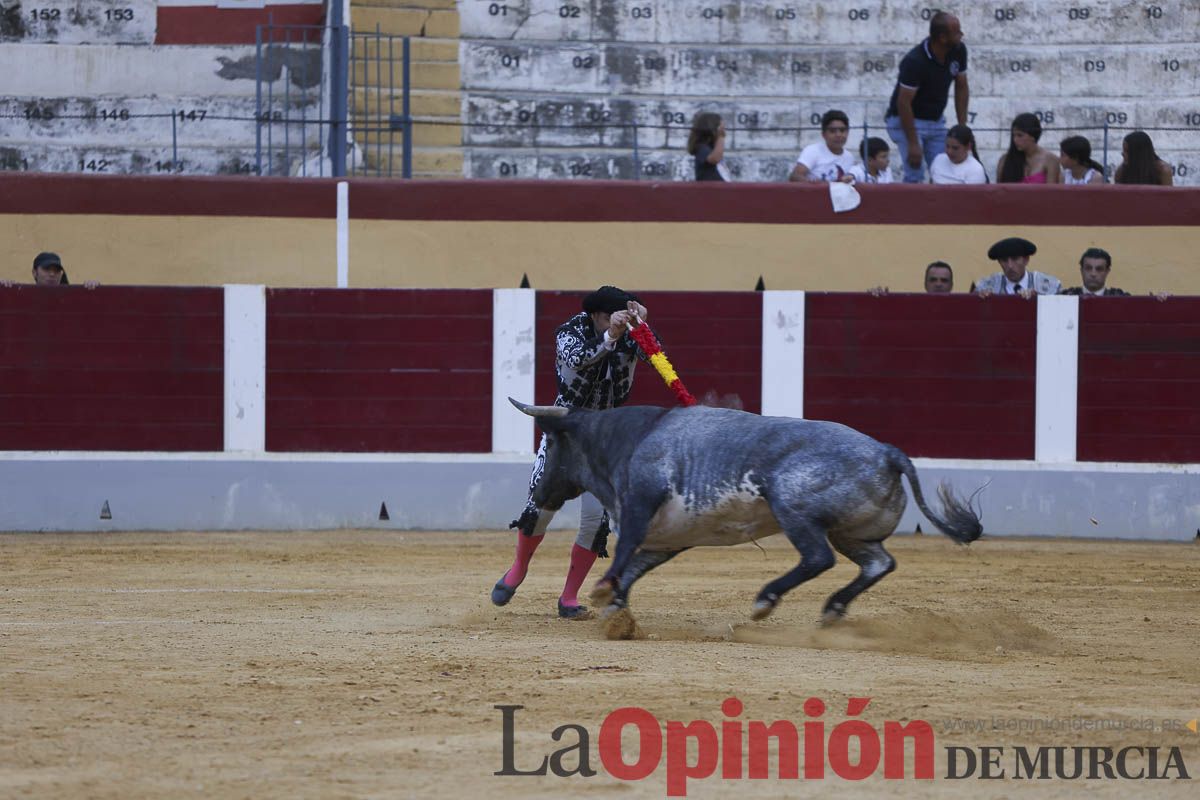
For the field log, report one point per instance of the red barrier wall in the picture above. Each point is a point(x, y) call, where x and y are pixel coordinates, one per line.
point(111, 369)
point(938, 376)
point(140, 368)
point(207, 24)
point(713, 339)
point(1108, 206)
point(401, 370)
point(1139, 380)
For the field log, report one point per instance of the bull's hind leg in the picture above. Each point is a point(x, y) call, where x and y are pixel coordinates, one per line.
point(815, 557)
point(874, 563)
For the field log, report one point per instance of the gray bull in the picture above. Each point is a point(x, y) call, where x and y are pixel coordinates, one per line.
point(684, 477)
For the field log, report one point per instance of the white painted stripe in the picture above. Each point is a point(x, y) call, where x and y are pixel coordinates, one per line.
point(1057, 391)
point(343, 234)
point(513, 315)
point(783, 354)
point(101, 590)
point(992, 465)
point(245, 368)
point(83, 457)
point(64, 623)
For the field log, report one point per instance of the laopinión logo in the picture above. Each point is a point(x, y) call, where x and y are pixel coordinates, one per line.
point(739, 749)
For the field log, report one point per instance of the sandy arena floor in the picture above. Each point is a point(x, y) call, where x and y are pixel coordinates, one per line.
point(367, 664)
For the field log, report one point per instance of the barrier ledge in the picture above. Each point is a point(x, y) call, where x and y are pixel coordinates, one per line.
point(64, 491)
point(599, 201)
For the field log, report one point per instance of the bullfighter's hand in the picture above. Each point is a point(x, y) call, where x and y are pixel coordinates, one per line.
point(637, 308)
point(617, 324)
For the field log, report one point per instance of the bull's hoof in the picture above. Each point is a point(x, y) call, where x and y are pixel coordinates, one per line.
point(604, 592)
point(620, 624)
point(502, 593)
point(763, 607)
point(574, 612)
point(832, 615)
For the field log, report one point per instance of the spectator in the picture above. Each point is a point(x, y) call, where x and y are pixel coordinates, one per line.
point(1026, 161)
point(939, 278)
point(1094, 266)
point(960, 162)
point(1140, 164)
point(1078, 166)
point(706, 144)
point(876, 156)
point(916, 114)
point(48, 270)
point(1015, 277)
point(828, 160)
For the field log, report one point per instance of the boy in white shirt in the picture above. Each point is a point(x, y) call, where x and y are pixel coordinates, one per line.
point(876, 156)
point(827, 161)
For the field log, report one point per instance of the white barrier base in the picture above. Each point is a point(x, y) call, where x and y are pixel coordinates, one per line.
point(65, 491)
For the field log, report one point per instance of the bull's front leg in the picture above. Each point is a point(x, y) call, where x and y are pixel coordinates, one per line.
point(631, 532)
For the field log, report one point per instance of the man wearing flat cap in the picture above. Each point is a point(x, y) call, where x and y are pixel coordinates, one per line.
point(1014, 276)
point(594, 364)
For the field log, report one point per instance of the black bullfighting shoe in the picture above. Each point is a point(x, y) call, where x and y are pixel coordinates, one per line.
point(574, 612)
point(502, 592)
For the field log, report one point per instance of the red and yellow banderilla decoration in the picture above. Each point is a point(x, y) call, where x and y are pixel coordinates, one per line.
point(641, 333)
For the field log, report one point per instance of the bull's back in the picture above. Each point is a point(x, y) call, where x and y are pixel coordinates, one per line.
point(722, 468)
point(715, 443)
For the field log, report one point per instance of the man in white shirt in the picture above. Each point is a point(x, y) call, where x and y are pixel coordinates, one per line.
point(1015, 277)
point(827, 161)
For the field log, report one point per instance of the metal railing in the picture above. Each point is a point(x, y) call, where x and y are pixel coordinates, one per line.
point(291, 128)
point(356, 99)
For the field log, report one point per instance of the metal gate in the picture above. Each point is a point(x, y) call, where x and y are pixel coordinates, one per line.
point(331, 101)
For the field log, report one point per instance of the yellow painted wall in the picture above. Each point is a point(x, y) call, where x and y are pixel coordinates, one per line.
point(175, 251)
point(572, 255)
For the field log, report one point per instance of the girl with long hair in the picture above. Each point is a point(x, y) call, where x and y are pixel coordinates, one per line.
point(706, 145)
point(1026, 161)
point(960, 163)
point(1141, 164)
point(1078, 166)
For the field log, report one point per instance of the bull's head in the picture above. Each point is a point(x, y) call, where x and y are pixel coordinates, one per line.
point(560, 480)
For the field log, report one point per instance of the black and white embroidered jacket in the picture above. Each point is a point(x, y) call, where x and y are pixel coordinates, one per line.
point(589, 374)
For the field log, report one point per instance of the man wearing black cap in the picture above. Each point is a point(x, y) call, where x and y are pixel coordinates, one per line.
point(594, 364)
point(48, 270)
point(1015, 277)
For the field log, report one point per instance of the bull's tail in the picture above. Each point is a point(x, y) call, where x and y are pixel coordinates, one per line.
point(959, 520)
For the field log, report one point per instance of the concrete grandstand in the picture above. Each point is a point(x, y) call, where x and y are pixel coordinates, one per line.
point(585, 89)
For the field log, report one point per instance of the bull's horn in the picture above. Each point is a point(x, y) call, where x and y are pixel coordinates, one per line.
point(540, 411)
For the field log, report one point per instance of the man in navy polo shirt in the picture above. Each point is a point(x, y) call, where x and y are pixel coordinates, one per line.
point(915, 117)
